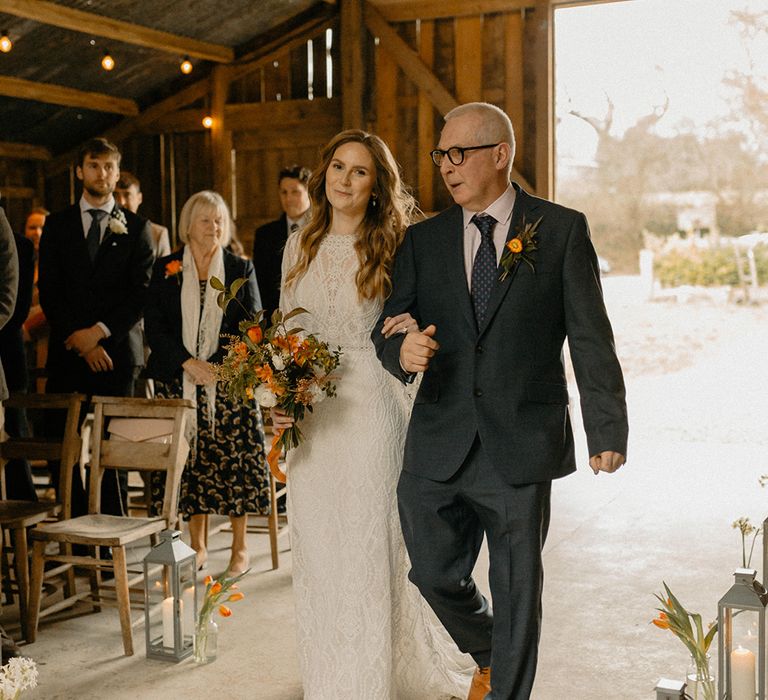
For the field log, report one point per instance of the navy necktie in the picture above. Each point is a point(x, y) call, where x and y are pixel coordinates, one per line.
point(93, 239)
point(484, 267)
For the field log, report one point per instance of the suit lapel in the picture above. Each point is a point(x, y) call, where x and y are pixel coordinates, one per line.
point(74, 230)
point(520, 212)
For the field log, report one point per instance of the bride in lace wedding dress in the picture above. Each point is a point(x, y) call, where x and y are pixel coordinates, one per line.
point(364, 631)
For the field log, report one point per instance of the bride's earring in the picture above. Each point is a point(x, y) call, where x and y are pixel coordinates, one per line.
point(374, 201)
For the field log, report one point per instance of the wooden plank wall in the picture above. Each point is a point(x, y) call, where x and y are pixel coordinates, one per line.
point(482, 57)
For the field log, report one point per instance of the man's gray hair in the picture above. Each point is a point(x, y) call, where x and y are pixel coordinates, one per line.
point(494, 124)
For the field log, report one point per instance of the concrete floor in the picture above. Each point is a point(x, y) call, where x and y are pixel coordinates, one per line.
point(698, 397)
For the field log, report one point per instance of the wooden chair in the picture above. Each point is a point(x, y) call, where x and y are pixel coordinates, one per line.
point(98, 530)
point(16, 517)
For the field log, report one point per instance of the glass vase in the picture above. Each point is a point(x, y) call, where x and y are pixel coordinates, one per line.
point(206, 641)
point(700, 682)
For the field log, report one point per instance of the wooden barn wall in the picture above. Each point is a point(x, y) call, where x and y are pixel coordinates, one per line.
point(270, 120)
point(20, 188)
point(484, 57)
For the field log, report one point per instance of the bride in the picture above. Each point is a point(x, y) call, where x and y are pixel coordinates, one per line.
point(363, 629)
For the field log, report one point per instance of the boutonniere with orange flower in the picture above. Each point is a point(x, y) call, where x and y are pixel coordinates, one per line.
point(520, 247)
point(173, 269)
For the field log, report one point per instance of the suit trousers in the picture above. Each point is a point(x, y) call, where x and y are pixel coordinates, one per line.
point(443, 525)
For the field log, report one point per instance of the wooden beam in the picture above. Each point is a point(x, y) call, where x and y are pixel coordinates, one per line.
point(352, 67)
point(513, 80)
point(409, 61)
point(127, 127)
point(426, 123)
point(545, 112)
point(181, 121)
point(468, 63)
point(118, 30)
point(69, 97)
point(386, 98)
point(410, 10)
point(221, 135)
point(23, 151)
point(12, 192)
point(282, 39)
point(282, 114)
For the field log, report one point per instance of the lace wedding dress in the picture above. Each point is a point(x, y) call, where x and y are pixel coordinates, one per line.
point(364, 631)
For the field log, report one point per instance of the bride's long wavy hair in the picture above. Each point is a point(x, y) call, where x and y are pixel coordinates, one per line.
point(390, 210)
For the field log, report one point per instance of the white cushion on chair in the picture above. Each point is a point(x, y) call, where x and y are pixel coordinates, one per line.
point(141, 429)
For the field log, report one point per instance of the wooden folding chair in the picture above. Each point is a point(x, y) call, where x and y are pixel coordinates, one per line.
point(98, 530)
point(17, 517)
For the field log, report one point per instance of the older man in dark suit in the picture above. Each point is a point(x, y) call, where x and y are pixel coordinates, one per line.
point(497, 282)
point(95, 265)
point(9, 286)
point(269, 239)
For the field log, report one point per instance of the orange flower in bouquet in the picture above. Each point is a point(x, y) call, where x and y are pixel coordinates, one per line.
point(279, 366)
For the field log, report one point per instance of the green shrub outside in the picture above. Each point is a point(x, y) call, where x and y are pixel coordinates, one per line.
point(705, 268)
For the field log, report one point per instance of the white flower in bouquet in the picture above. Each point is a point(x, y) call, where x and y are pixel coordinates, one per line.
point(264, 397)
point(317, 393)
point(278, 362)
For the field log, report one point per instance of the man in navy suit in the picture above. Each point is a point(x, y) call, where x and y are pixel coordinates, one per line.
point(94, 270)
point(496, 282)
point(269, 239)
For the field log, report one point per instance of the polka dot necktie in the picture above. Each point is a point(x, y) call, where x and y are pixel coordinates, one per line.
point(484, 266)
point(294, 227)
point(93, 239)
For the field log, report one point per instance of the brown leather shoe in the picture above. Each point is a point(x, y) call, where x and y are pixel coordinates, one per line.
point(481, 684)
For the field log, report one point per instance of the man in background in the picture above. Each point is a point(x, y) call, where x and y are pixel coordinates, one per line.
point(269, 240)
point(95, 266)
point(128, 195)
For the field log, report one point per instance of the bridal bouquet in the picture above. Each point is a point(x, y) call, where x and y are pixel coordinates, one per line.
point(276, 366)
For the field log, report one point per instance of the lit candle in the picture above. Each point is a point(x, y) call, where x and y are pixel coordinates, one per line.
point(168, 622)
point(188, 611)
point(742, 674)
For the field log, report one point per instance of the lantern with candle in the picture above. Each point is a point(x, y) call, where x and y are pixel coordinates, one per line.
point(741, 644)
point(170, 598)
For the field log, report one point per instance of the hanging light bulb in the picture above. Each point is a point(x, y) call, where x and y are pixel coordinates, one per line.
point(186, 65)
point(107, 62)
point(5, 43)
point(207, 121)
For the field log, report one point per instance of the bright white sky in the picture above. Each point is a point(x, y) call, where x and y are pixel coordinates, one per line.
point(637, 50)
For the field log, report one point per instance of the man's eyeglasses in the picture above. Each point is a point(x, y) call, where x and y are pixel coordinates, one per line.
point(456, 153)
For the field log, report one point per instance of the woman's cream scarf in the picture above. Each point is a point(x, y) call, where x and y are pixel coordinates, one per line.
point(200, 333)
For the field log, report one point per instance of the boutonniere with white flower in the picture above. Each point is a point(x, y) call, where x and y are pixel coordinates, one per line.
point(117, 222)
point(520, 247)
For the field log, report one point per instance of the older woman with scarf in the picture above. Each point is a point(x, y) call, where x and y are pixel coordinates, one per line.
point(226, 472)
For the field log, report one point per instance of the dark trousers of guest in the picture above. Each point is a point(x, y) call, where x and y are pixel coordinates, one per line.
point(443, 525)
point(114, 485)
point(18, 473)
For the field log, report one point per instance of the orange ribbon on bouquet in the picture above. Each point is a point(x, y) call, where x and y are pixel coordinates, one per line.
point(274, 456)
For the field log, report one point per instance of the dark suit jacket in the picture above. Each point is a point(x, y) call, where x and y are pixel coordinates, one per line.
point(268, 244)
point(505, 382)
point(9, 283)
point(11, 339)
point(76, 293)
point(162, 317)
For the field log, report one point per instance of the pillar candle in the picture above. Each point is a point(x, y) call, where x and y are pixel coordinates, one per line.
point(188, 611)
point(168, 622)
point(742, 674)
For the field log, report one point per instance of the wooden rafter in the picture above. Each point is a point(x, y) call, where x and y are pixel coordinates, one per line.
point(23, 151)
point(410, 10)
point(80, 21)
point(417, 71)
point(69, 97)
